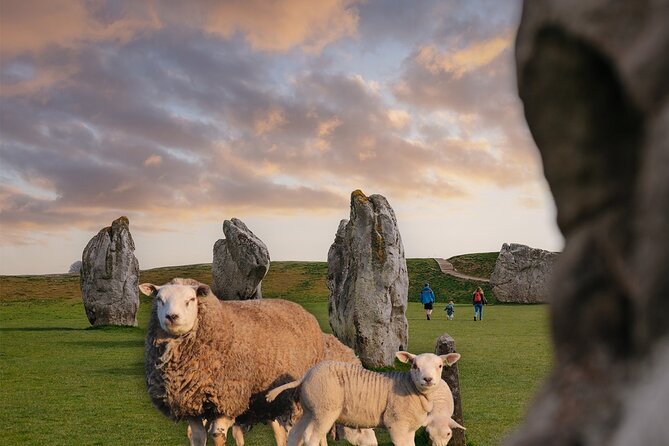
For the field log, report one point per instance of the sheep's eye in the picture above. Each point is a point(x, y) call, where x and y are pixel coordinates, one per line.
point(440, 366)
point(188, 302)
point(414, 366)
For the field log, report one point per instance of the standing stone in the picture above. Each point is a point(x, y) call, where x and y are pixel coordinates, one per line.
point(241, 261)
point(522, 274)
point(109, 276)
point(592, 75)
point(368, 282)
point(446, 345)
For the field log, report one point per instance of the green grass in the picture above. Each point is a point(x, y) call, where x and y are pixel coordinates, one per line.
point(64, 383)
point(477, 265)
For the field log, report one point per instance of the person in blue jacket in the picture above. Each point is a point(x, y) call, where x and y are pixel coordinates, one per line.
point(427, 299)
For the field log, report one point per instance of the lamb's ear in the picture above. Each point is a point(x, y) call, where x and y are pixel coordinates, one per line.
point(405, 357)
point(202, 290)
point(455, 425)
point(149, 289)
point(450, 358)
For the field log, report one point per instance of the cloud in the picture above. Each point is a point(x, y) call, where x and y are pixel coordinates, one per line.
point(282, 25)
point(223, 106)
point(32, 27)
point(457, 63)
point(153, 160)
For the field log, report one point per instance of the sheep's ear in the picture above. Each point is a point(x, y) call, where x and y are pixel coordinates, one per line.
point(149, 289)
point(405, 357)
point(202, 290)
point(455, 425)
point(450, 358)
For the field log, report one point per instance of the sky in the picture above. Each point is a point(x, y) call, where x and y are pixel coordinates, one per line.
point(180, 115)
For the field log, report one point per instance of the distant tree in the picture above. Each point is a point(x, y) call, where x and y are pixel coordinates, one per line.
point(75, 267)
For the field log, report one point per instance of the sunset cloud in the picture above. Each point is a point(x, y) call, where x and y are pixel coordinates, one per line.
point(153, 160)
point(473, 57)
point(281, 25)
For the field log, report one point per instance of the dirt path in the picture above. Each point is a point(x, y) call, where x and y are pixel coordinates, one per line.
point(448, 268)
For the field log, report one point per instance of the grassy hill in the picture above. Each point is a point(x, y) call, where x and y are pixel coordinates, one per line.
point(302, 281)
point(477, 265)
point(64, 382)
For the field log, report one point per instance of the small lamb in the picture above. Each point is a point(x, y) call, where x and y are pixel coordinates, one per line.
point(350, 395)
point(439, 424)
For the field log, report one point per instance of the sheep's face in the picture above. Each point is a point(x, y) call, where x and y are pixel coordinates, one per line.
point(176, 306)
point(426, 368)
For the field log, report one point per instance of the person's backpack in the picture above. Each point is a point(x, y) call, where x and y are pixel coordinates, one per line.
point(477, 297)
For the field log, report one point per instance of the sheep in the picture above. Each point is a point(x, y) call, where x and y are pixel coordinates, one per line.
point(339, 392)
point(207, 359)
point(439, 424)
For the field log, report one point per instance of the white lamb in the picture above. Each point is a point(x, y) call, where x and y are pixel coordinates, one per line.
point(440, 424)
point(350, 395)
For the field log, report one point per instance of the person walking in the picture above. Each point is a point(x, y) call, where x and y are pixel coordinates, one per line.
point(478, 300)
point(427, 299)
point(450, 310)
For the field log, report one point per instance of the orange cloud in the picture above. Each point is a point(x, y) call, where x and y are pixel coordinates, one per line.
point(153, 160)
point(30, 28)
point(268, 121)
point(399, 119)
point(475, 56)
point(281, 25)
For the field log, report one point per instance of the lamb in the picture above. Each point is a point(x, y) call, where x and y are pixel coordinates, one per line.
point(440, 424)
point(207, 359)
point(334, 350)
point(344, 393)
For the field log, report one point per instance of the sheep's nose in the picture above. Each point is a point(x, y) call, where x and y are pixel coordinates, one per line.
point(172, 317)
point(428, 379)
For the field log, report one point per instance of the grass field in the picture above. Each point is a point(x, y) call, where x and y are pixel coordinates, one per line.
point(65, 383)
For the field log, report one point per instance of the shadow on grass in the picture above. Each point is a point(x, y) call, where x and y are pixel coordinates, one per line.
point(38, 329)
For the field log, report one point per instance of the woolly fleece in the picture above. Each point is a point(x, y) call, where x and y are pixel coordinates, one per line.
point(236, 351)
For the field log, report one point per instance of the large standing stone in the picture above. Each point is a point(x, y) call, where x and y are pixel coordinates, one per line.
point(368, 282)
point(109, 276)
point(241, 261)
point(522, 274)
point(593, 79)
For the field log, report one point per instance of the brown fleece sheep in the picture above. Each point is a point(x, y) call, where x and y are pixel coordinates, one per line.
point(207, 359)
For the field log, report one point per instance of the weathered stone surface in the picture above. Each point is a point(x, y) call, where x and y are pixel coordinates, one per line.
point(241, 261)
point(109, 276)
point(522, 274)
point(593, 79)
point(446, 345)
point(368, 282)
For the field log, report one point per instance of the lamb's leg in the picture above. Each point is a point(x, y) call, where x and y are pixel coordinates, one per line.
point(295, 436)
point(320, 426)
point(197, 434)
point(279, 433)
point(220, 430)
point(238, 435)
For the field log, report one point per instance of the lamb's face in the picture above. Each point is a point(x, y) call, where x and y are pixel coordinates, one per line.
point(426, 368)
point(439, 430)
point(176, 306)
